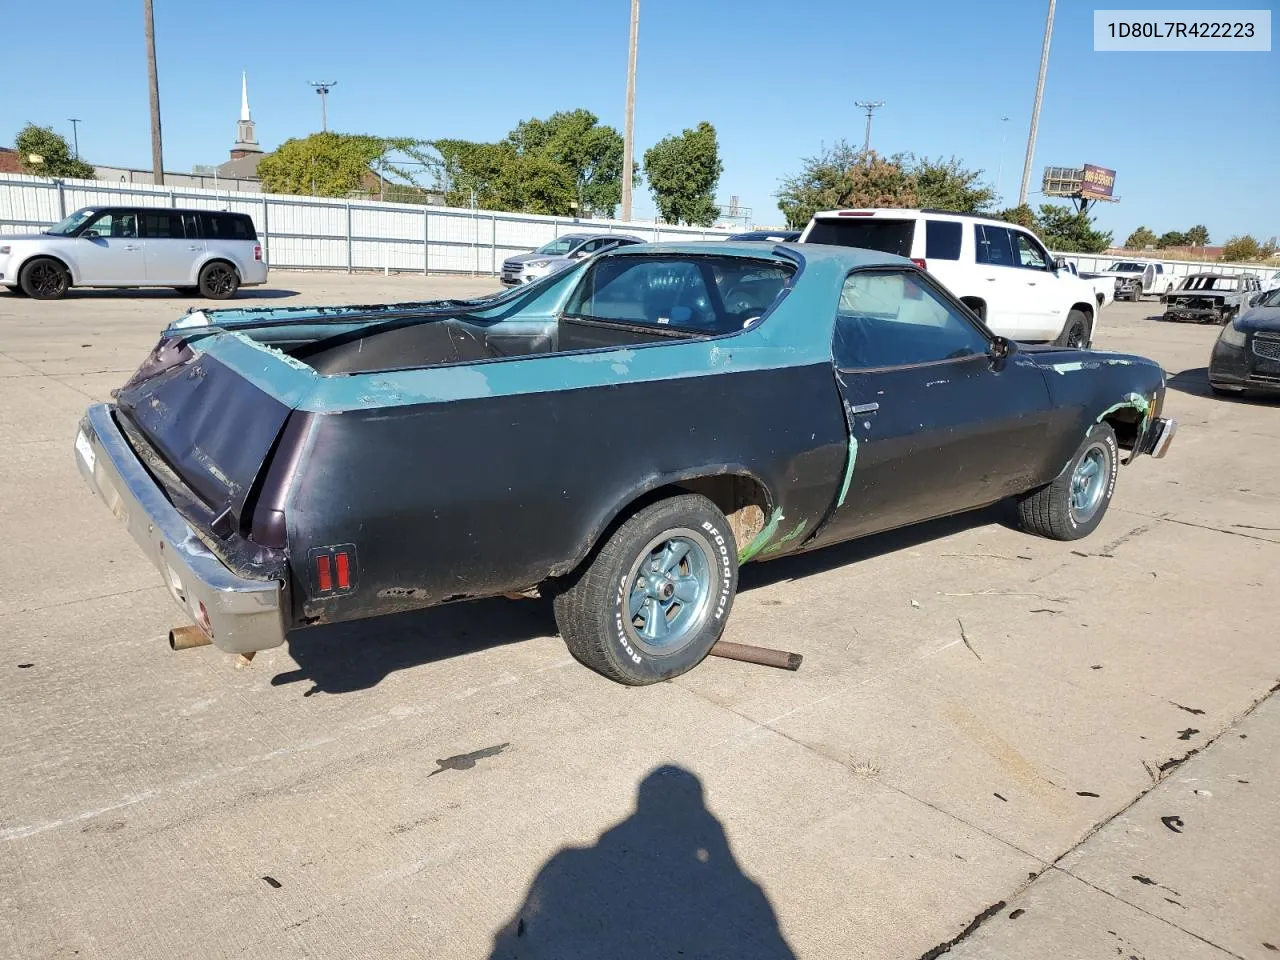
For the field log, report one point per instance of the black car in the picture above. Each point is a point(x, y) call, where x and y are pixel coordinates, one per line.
point(768, 236)
point(1246, 355)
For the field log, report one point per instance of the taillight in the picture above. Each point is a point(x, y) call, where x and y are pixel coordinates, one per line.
point(334, 569)
point(919, 263)
point(257, 252)
point(324, 574)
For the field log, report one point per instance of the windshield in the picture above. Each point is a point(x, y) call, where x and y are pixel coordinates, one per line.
point(1126, 268)
point(65, 227)
point(1270, 299)
point(703, 294)
point(558, 248)
point(1211, 283)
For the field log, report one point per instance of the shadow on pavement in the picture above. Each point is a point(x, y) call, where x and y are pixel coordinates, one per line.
point(168, 293)
point(663, 883)
point(345, 657)
point(1196, 383)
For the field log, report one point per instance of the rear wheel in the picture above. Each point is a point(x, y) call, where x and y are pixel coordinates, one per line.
point(1075, 333)
point(1073, 505)
point(219, 281)
point(656, 597)
point(44, 279)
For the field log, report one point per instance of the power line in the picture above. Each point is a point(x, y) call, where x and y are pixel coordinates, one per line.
point(870, 106)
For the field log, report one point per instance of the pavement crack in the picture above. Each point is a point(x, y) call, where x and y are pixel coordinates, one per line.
point(974, 924)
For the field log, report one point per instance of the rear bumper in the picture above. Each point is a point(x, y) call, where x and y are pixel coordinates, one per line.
point(243, 615)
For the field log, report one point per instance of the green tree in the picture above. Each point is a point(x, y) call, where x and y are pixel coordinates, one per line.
point(945, 185)
point(1141, 238)
point(844, 177)
point(334, 164)
point(1198, 236)
point(1239, 249)
point(1172, 238)
point(591, 153)
point(55, 156)
point(683, 173)
point(1065, 229)
point(1022, 215)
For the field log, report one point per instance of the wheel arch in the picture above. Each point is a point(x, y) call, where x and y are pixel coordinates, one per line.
point(215, 258)
point(66, 265)
point(738, 492)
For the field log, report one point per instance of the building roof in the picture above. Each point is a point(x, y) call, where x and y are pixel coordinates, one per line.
point(242, 168)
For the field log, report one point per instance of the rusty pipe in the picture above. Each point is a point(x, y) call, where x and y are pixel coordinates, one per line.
point(187, 638)
point(764, 656)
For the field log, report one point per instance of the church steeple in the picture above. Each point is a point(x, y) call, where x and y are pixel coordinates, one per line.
point(246, 139)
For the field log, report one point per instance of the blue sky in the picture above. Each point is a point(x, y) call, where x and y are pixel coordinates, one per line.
point(777, 80)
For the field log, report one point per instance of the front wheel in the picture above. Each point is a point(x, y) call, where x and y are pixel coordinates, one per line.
point(1075, 333)
point(1073, 505)
point(44, 279)
point(219, 281)
point(657, 595)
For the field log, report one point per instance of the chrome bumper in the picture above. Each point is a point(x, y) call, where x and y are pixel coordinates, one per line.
point(239, 614)
point(1159, 436)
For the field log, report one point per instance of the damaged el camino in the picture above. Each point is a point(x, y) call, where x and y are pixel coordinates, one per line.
point(622, 435)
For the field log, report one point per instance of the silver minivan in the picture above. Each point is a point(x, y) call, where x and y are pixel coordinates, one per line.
point(214, 252)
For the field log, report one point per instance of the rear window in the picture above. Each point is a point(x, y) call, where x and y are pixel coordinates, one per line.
point(993, 245)
point(710, 295)
point(942, 240)
point(164, 225)
point(227, 226)
point(878, 233)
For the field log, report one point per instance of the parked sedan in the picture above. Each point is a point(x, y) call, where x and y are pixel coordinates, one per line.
point(1246, 355)
point(213, 252)
point(560, 253)
point(793, 397)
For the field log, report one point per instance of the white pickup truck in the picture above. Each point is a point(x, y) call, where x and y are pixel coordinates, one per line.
point(1135, 279)
point(999, 270)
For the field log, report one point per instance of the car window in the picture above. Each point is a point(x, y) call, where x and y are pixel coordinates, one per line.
point(942, 239)
point(895, 319)
point(869, 233)
point(116, 223)
point(703, 294)
point(223, 226)
point(591, 246)
point(1029, 253)
point(993, 245)
point(163, 225)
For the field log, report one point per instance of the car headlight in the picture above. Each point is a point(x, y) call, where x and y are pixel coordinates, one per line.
point(1232, 336)
point(537, 263)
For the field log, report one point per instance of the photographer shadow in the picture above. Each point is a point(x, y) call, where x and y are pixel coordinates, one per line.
point(663, 883)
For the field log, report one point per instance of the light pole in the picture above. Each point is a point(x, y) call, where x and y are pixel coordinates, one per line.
point(323, 87)
point(157, 151)
point(75, 133)
point(1035, 111)
point(628, 146)
point(870, 106)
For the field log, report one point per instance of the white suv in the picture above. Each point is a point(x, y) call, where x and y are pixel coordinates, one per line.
point(213, 251)
point(999, 270)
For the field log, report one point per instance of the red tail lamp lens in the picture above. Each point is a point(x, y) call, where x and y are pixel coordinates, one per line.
point(324, 575)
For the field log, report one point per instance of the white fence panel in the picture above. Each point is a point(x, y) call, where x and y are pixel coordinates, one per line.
point(327, 234)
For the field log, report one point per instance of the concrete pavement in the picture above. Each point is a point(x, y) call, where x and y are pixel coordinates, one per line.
point(433, 784)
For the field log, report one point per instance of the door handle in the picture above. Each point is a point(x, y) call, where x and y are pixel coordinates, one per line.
point(193, 248)
point(132, 246)
point(858, 408)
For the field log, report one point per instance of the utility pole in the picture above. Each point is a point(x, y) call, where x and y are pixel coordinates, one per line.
point(628, 144)
point(75, 133)
point(1035, 111)
point(157, 152)
point(870, 106)
point(322, 87)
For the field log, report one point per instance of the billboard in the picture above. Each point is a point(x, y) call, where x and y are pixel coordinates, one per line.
point(1097, 182)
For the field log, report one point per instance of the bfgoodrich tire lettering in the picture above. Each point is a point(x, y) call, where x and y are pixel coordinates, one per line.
point(655, 598)
point(1073, 505)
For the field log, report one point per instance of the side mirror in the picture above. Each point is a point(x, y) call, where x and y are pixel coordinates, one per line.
point(1001, 348)
point(1060, 263)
